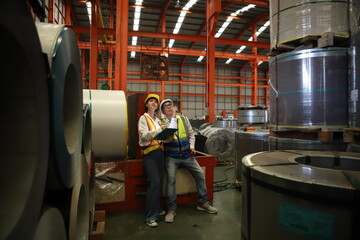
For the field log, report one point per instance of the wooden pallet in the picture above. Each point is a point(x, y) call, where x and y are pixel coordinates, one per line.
point(318, 134)
point(328, 39)
point(352, 136)
point(97, 233)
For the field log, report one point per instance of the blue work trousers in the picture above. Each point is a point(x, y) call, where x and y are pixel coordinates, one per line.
point(171, 166)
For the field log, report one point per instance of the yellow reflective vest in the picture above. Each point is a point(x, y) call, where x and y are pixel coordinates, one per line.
point(155, 144)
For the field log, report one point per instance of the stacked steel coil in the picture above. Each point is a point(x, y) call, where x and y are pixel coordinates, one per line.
point(44, 191)
point(310, 86)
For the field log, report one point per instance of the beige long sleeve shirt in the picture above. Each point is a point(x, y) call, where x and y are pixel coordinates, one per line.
point(145, 135)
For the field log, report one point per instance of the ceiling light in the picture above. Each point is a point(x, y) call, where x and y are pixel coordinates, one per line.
point(177, 5)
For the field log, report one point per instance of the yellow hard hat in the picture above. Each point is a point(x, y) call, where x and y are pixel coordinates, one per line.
point(152, 95)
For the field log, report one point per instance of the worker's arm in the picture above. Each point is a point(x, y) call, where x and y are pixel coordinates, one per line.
point(190, 133)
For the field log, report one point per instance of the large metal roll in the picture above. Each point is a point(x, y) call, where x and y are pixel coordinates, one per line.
point(354, 82)
point(309, 88)
point(300, 195)
point(51, 225)
point(220, 143)
point(60, 45)
point(277, 143)
point(354, 16)
point(24, 122)
point(252, 116)
point(109, 123)
point(295, 19)
point(246, 143)
point(225, 123)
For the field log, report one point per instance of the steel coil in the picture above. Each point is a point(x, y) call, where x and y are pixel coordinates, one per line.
point(252, 116)
point(24, 122)
point(309, 88)
point(247, 143)
point(51, 225)
point(86, 139)
point(60, 45)
point(277, 143)
point(309, 195)
point(354, 82)
point(109, 123)
point(295, 19)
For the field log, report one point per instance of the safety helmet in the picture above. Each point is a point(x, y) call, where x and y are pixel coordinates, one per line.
point(152, 95)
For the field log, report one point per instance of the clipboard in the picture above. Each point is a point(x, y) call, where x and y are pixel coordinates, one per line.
point(163, 135)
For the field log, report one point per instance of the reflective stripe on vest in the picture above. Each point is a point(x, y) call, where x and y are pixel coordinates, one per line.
point(155, 144)
point(180, 143)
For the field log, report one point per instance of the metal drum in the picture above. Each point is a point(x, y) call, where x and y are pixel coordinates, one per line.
point(225, 123)
point(277, 143)
point(294, 19)
point(311, 87)
point(246, 143)
point(300, 195)
point(252, 116)
point(354, 82)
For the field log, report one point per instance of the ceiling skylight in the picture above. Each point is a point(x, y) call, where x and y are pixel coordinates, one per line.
point(136, 24)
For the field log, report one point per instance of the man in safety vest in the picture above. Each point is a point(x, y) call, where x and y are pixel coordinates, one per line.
point(179, 149)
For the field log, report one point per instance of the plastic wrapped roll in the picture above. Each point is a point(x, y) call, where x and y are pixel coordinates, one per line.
point(276, 143)
point(252, 116)
point(109, 122)
point(60, 45)
point(220, 143)
point(291, 20)
point(354, 82)
point(246, 143)
point(51, 225)
point(24, 122)
point(296, 185)
point(308, 88)
point(86, 139)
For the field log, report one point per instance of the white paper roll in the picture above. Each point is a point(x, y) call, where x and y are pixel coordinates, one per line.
point(109, 122)
point(24, 122)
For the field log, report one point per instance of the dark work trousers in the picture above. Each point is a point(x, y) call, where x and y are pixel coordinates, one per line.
point(154, 167)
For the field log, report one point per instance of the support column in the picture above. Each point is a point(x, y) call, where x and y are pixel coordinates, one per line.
point(122, 13)
point(213, 8)
point(51, 11)
point(254, 67)
point(94, 45)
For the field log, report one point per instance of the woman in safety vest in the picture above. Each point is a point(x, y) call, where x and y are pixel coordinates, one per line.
point(149, 126)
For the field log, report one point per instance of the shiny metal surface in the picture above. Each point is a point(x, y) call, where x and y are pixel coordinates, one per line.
point(247, 143)
point(295, 185)
point(309, 88)
point(354, 83)
point(225, 124)
point(277, 143)
point(252, 116)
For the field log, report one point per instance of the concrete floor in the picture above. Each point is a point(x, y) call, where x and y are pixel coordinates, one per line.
point(189, 224)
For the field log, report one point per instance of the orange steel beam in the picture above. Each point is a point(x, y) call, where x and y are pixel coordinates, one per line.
point(179, 51)
point(94, 46)
point(256, 2)
point(213, 9)
point(123, 43)
point(254, 64)
point(185, 37)
point(51, 11)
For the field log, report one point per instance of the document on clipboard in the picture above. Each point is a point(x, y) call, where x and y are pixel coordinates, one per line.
point(163, 135)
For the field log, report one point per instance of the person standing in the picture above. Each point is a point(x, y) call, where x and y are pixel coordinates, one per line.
point(149, 126)
point(179, 149)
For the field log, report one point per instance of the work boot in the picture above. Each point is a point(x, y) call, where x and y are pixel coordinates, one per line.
point(170, 215)
point(206, 207)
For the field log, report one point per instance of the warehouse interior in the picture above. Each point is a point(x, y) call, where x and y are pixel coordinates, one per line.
point(269, 87)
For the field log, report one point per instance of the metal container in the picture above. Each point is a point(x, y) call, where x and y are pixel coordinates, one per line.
point(247, 143)
point(277, 143)
point(309, 88)
point(252, 116)
point(300, 195)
